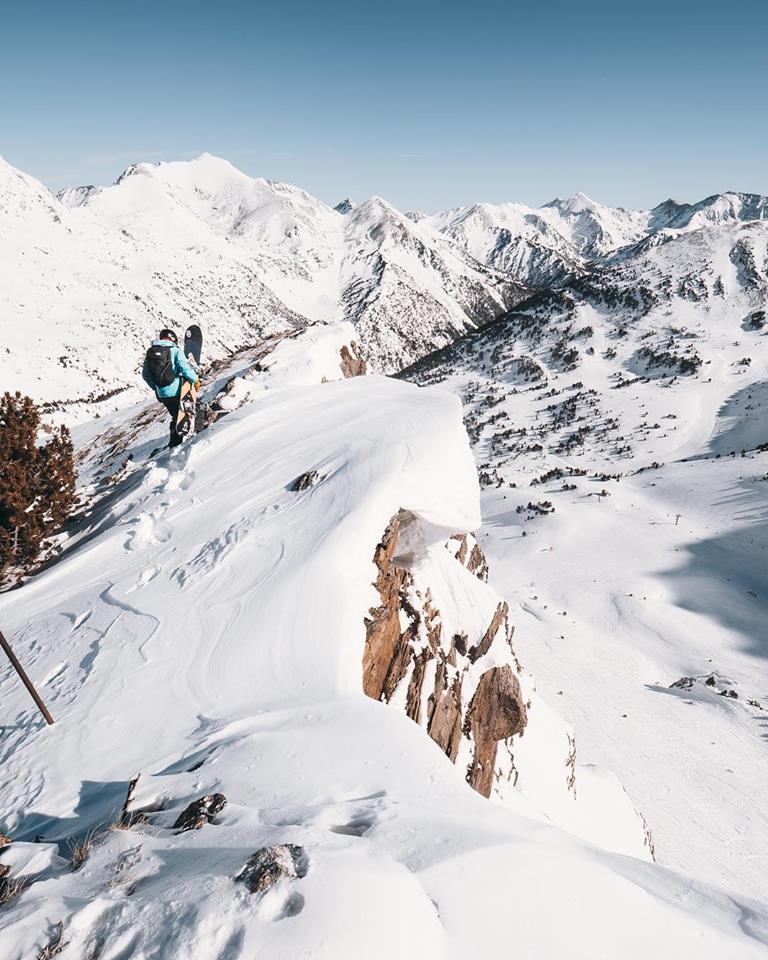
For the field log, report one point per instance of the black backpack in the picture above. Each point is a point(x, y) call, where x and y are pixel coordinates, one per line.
point(160, 365)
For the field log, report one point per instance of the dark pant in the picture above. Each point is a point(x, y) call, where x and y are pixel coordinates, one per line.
point(171, 404)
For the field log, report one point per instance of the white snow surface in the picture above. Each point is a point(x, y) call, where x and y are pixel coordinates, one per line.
point(650, 561)
point(205, 625)
point(206, 630)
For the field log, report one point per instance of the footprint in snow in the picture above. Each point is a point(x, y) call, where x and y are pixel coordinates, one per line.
point(149, 529)
point(181, 480)
point(357, 826)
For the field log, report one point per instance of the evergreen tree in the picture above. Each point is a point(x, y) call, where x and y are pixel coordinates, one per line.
point(37, 484)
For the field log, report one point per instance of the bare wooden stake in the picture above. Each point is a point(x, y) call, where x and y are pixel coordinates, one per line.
point(25, 679)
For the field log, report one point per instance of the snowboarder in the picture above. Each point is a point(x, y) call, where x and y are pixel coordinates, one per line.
point(165, 369)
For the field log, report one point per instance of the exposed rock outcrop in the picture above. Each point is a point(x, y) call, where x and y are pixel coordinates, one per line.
point(200, 812)
point(352, 362)
point(468, 698)
point(471, 556)
point(267, 866)
point(305, 481)
point(496, 712)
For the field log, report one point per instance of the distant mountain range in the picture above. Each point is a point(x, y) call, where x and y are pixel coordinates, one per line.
point(92, 272)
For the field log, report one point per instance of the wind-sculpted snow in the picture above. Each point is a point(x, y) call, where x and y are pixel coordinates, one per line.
point(205, 629)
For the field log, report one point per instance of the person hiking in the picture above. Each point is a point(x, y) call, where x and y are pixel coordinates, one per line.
point(165, 367)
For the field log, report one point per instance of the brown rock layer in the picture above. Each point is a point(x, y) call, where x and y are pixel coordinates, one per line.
point(352, 363)
point(405, 637)
point(496, 712)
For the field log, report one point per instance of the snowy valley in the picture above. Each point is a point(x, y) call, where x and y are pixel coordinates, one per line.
point(468, 658)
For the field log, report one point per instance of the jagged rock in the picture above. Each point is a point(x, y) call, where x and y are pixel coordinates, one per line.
point(496, 712)
point(404, 635)
point(4, 870)
point(444, 711)
point(352, 363)
point(4, 840)
point(481, 648)
point(267, 866)
point(200, 812)
point(687, 683)
point(386, 650)
point(344, 206)
point(305, 481)
point(471, 557)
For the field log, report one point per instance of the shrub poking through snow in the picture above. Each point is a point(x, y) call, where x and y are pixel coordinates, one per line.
point(80, 850)
point(10, 887)
point(55, 945)
point(37, 484)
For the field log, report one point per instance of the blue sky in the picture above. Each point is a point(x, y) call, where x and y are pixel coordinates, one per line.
point(428, 104)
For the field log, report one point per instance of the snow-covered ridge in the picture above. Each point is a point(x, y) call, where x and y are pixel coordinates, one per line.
point(548, 244)
point(207, 630)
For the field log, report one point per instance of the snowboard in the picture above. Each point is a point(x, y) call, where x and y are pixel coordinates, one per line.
point(193, 345)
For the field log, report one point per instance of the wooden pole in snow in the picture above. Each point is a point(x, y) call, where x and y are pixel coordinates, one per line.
point(25, 679)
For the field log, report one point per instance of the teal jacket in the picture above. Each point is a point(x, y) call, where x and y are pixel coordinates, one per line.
point(181, 367)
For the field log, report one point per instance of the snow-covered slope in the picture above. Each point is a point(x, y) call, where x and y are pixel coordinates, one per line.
point(206, 629)
point(403, 281)
point(619, 427)
point(618, 422)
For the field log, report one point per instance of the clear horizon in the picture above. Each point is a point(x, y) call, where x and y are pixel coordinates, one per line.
point(428, 105)
point(356, 200)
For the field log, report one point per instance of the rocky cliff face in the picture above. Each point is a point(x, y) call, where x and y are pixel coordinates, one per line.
point(438, 645)
point(438, 674)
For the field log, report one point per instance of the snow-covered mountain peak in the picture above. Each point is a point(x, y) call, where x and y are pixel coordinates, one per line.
point(578, 203)
point(378, 221)
point(719, 208)
point(376, 206)
point(26, 199)
point(74, 197)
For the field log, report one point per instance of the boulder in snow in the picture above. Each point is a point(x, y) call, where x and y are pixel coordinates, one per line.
point(200, 812)
point(267, 866)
